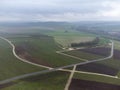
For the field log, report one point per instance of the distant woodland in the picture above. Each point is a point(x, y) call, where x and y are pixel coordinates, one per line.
point(86, 44)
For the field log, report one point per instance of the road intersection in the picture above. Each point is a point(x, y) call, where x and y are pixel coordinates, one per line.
point(50, 69)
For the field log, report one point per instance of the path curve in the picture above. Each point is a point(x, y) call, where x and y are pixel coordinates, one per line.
point(24, 60)
point(50, 69)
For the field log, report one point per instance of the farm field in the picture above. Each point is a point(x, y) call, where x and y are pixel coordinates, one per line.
point(66, 37)
point(98, 68)
point(117, 44)
point(78, 84)
point(83, 55)
point(51, 81)
point(100, 51)
point(110, 67)
point(59, 45)
point(97, 78)
point(10, 66)
point(103, 51)
point(41, 49)
point(90, 53)
point(113, 63)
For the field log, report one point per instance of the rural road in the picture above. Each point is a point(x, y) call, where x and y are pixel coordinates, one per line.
point(71, 56)
point(92, 73)
point(14, 53)
point(50, 69)
point(70, 78)
point(62, 52)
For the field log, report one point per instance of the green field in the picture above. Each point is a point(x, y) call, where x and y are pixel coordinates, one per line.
point(111, 63)
point(98, 78)
point(49, 81)
point(11, 66)
point(66, 37)
point(117, 44)
point(104, 41)
point(84, 55)
point(44, 49)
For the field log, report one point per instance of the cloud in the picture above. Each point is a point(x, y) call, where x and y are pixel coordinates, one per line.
point(114, 11)
point(59, 10)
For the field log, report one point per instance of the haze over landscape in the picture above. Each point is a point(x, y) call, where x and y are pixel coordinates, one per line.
point(59, 44)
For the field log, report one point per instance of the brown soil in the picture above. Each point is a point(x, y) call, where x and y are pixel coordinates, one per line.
point(103, 51)
point(22, 52)
point(78, 84)
point(116, 54)
point(7, 85)
point(97, 68)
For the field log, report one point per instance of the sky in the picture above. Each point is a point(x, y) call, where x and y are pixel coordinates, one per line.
point(59, 10)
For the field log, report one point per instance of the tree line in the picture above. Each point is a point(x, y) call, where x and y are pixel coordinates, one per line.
point(86, 44)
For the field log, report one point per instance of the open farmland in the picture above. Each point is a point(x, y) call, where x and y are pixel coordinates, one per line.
point(59, 44)
point(40, 49)
point(51, 81)
point(97, 78)
point(78, 84)
point(103, 51)
point(10, 66)
point(90, 53)
point(113, 63)
point(97, 68)
point(66, 37)
point(110, 67)
point(117, 44)
point(83, 55)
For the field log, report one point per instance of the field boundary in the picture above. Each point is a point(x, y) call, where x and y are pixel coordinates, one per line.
point(70, 78)
point(24, 60)
point(49, 69)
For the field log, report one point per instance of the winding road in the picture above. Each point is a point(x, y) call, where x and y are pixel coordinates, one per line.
point(50, 69)
point(14, 53)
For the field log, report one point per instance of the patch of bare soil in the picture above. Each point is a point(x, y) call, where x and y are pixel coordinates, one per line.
point(97, 68)
point(103, 51)
point(78, 84)
point(22, 52)
point(116, 54)
point(7, 85)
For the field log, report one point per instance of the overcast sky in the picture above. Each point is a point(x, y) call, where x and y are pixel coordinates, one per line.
point(59, 10)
